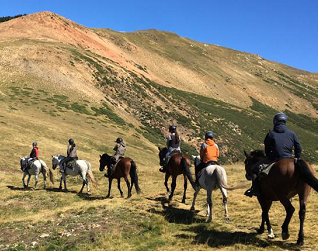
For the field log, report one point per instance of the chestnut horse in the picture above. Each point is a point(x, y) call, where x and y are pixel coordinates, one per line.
point(124, 167)
point(179, 163)
point(284, 181)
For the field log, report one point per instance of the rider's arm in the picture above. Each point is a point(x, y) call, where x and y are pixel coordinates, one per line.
point(297, 147)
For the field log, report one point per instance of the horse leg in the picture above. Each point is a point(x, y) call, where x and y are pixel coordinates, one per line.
point(36, 180)
point(185, 188)
point(266, 205)
point(166, 182)
point(84, 182)
point(197, 189)
point(224, 195)
point(64, 179)
point(23, 178)
point(110, 180)
point(302, 211)
point(44, 178)
point(118, 185)
point(28, 181)
point(289, 213)
point(209, 204)
point(88, 188)
point(60, 187)
point(173, 187)
point(128, 186)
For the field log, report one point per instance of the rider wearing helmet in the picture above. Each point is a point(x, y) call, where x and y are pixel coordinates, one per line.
point(71, 154)
point(119, 149)
point(173, 145)
point(34, 155)
point(279, 143)
point(209, 153)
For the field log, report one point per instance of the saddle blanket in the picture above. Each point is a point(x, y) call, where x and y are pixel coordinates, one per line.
point(264, 170)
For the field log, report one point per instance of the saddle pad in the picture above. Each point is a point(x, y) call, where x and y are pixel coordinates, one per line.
point(71, 164)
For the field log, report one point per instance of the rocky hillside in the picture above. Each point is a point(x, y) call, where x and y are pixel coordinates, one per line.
point(149, 79)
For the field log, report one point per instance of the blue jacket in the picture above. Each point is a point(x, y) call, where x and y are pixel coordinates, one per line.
point(279, 143)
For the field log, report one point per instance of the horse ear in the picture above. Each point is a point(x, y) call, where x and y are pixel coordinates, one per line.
point(159, 148)
point(246, 154)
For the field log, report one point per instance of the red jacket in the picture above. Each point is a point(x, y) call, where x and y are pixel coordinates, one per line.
point(34, 153)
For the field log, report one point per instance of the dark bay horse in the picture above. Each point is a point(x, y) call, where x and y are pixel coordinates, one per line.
point(179, 163)
point(124, 168)
point(284, 181)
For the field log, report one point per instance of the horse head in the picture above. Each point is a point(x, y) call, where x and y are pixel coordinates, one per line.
point(104, 160)
point(55, 161)
point(162, 155)
point(250, 160)
point(23, 162)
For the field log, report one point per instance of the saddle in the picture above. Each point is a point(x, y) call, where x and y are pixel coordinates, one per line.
point(264, 170)
point(71, 164)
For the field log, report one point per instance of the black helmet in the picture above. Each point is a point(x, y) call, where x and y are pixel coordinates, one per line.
point(172, 128)
point(71, 141)
point(280, 117)
point(34, 143)
point(209, 135)
point(119, 140)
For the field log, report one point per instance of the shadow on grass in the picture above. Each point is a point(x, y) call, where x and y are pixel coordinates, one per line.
point(216, 238)
point(19, 188)
point(173, 214)
point(57, 190)
point(88, 197)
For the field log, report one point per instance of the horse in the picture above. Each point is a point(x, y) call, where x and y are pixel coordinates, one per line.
point(37, 167)
point(210, 178)
point(179, 163)
point(82, 168)
point(124, 167)
point(285, 179)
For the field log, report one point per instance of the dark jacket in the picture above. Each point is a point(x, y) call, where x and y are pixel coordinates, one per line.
point(279, 143)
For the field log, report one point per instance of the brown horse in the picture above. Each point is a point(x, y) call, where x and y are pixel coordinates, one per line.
point(179, 163)
point(284, 181)
point(125, 167)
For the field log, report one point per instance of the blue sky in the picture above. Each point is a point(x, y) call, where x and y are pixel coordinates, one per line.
point(284, 31)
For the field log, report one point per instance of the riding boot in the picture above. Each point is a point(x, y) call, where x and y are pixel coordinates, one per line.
point(254, 190)
point(62, 170)
point(164, 167)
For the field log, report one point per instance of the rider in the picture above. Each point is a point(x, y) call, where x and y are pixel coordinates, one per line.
point(279, 144)
point(71, 154)
point(209, 153)
point(34, 155)
point(119, 149)
point(173, 145)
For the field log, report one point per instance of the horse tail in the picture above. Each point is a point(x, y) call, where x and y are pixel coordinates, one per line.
point(90, 173)
point(306, 174)
point(49, 173)
point(134, 176)
point(186, 168)
point(222, 179)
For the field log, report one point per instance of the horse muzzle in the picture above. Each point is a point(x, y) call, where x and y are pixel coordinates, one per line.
point(248, 177)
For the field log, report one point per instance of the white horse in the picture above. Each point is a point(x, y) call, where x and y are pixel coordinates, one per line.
point(82, 168)
point(37, 167)
point(211, 178)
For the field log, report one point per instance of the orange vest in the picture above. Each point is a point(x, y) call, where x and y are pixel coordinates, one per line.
point(209, 151)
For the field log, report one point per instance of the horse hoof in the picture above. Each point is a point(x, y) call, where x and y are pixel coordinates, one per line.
point(271, 236)
point(300, 242)
point(183, 201)
point(260, 231)
point(192, 208)
point(208, 220)
point(227, 220)
point(122, 196)
point(129, 195)
point(285, 236)
point(89, 193)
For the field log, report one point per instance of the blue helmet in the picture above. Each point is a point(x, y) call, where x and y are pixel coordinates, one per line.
point(209, 135)
point(280, 118)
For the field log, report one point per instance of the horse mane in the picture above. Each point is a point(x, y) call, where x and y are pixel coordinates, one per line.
point(258, 153)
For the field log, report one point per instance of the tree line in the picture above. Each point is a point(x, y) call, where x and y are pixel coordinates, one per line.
point(7, 18)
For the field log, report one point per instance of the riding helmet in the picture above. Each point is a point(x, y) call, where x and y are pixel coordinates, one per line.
point(71, 141)
point(34, 143)
point(172, 128)
point(119, 140)
point(209, 135)
point(280, 117)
